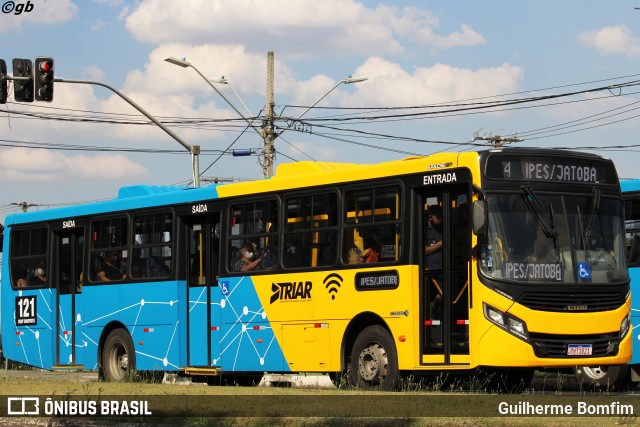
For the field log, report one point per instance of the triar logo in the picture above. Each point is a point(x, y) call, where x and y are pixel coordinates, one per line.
point(291, 291)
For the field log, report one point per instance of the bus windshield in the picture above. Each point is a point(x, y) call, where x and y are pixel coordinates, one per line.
point(548, 238)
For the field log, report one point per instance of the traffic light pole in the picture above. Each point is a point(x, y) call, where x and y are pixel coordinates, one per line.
point(193, 149)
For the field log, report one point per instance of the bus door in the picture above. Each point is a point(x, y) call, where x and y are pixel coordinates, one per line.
point(203, 308)
point(68, 271)
point(445, 279)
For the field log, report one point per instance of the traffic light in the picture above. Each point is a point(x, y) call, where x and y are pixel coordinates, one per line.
point(3, 82)
point(23, 89)
point(44, 79)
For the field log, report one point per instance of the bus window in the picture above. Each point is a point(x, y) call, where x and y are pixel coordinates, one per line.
point(632, 226)
point(151, 253)
point(255, 224)
point(310, 231)
point(372, 225)
point(109, 240)
point(29, 257)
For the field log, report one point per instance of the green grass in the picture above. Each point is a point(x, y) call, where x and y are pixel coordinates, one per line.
point(40, 383)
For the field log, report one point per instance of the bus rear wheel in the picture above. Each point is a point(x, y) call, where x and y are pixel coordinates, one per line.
point(118, 357)
point(374, 361)
point(604, 377)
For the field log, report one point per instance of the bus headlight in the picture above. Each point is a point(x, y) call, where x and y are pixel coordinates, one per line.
point(624, 325)
point(509, 323)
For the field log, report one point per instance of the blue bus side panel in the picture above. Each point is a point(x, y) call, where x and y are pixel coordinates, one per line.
point(248, 341)
point(31, 344)
point(154, 314)
point(634, 273)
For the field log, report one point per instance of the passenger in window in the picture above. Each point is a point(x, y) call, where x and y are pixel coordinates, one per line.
point(433, 247)
point(372, 250)
point(37, 277)
point(109, 269)
point(248, 259)
point(542, 249)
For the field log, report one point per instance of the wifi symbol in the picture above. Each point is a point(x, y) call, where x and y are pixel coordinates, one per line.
point(333, 282)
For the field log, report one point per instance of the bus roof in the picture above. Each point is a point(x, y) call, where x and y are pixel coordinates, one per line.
point(294, 175)
point(288, 176)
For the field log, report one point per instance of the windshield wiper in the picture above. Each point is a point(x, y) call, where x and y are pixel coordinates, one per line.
point(537, 210)
point(585, 229)
point(595, 206)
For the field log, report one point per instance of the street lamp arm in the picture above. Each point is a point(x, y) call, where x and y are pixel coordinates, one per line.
point(348, 80)
point(193, 149)
point(226, 82)
point(183, 63)
point(186, 145)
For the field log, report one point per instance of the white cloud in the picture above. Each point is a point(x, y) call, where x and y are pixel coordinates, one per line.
point(94, 73)
point(98, 25)
point(613, 40)
point(390, 85)
point(28, 165)
point(330, 26)
point(419, 25)
point(42, 12)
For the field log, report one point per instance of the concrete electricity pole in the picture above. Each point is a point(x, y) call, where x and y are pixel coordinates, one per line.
point(269, 129)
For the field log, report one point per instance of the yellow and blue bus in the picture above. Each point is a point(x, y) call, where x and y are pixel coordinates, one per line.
point(622, 376)
point(533, 273)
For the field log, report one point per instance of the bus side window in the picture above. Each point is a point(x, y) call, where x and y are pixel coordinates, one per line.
point(29, 256)
point(634, 253)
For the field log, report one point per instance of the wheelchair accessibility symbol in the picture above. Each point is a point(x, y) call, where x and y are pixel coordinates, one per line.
point(584, 271)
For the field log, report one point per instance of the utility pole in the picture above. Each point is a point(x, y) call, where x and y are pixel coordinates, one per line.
point(269, 130)
point(497, 141)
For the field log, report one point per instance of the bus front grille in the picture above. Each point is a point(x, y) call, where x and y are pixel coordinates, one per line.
point(556, 346)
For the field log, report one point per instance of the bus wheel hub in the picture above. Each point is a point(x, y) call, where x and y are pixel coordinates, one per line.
point(373, 362)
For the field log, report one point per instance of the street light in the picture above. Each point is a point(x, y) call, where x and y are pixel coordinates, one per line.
point(185, 64)
point(224, 81)
point(267, 133)
point(346, 81)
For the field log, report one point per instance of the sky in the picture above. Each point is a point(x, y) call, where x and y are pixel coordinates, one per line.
point(430, 66)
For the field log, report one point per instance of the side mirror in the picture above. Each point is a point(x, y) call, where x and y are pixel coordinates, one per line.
point(480, 218)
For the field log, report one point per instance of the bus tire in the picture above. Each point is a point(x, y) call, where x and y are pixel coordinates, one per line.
point(604, 377)
point(118, 356)
point(374, 360)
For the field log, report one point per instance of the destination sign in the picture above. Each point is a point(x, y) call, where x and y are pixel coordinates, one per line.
point(377, 280)
point(551, 168)
point(532, 271)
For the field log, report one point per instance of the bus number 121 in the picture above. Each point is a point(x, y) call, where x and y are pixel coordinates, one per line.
point(26, 310)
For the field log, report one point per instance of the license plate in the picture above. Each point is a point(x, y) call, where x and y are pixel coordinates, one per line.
point(579, 350)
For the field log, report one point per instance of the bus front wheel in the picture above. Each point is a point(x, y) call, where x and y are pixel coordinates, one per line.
point(118, 357)
point(374, 361)
point(604, 377)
